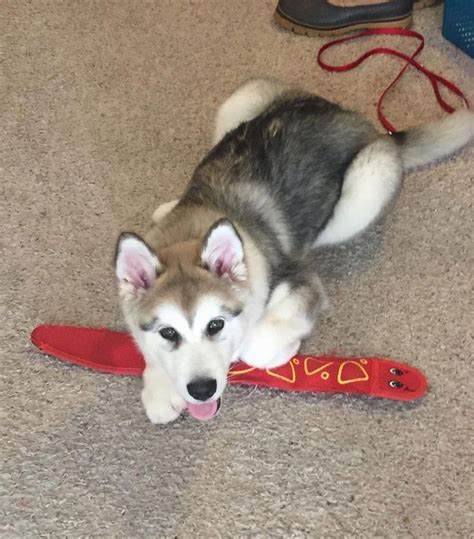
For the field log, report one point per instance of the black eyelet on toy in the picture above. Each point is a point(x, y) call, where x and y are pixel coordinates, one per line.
point(395, 383)
point(395, 371)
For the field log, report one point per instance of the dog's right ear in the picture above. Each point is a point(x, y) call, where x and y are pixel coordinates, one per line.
point(136, 266)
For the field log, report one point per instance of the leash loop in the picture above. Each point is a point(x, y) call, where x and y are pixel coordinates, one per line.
point(435, 80)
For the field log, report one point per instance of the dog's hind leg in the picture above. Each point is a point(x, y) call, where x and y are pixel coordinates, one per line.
point(163, 210)
point(370, 183)
point(247, 102)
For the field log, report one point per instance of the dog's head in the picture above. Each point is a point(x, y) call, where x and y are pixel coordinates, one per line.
point(184, 304)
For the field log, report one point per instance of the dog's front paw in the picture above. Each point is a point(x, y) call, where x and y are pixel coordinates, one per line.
point(162, 407)
point(265, 350)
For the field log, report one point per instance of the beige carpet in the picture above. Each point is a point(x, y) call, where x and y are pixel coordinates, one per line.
point(106, 108)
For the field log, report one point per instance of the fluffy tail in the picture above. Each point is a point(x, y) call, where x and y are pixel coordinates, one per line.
point(436, 140)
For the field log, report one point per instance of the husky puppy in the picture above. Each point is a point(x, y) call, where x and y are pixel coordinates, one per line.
point(227, 271)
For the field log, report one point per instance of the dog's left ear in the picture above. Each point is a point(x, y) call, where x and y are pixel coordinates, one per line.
point(223, 251)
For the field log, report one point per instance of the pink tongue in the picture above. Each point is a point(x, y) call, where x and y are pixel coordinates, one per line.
point(203, 411)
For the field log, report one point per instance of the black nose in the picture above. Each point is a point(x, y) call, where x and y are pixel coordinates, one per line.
point(202, 389)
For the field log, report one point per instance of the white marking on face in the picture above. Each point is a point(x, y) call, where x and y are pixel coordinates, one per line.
point(209, 308)
point(170, 315)
point(198, 355)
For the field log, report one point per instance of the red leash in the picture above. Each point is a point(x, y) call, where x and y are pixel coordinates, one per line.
point(436, 80)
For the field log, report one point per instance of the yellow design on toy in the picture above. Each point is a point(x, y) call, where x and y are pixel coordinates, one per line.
point(363, 378)
point(318, 369)
point(242, 371)
point(291, 380)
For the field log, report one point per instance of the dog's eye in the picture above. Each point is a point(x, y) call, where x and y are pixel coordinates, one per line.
point(214, 326)
point(170, 334)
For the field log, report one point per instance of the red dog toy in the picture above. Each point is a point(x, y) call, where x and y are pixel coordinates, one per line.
point(108, 351)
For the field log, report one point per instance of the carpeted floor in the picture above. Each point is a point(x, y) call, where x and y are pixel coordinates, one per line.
point(106, 108)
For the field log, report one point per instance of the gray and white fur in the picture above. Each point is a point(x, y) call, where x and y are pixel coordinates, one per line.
point(289, 172)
